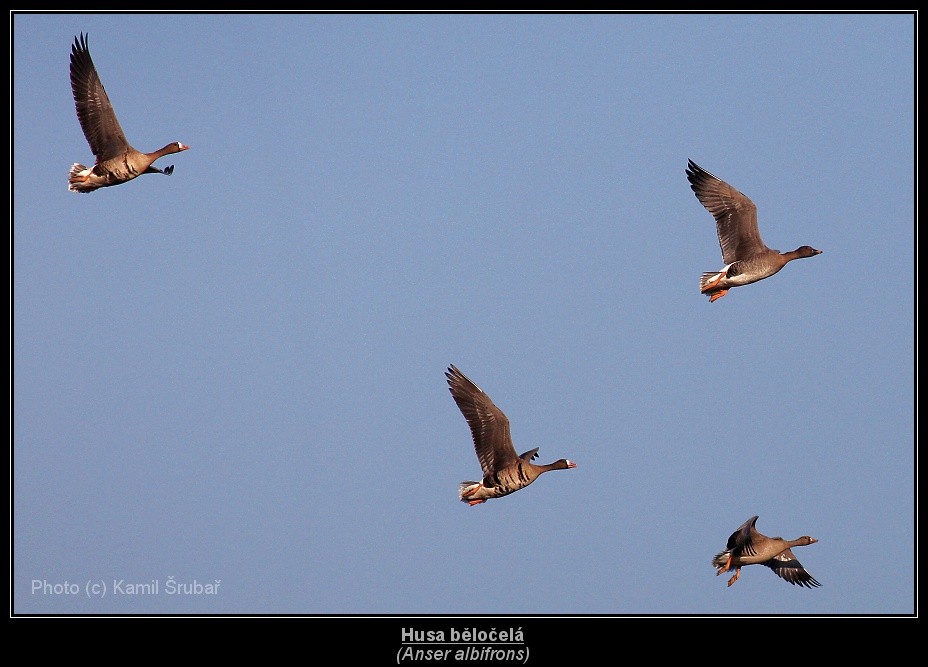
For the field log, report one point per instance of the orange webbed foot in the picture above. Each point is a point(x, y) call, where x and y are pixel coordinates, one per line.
point(735, 578)
point(726, 567)
point(714, 283)
point(717, 295)
point(472, 490)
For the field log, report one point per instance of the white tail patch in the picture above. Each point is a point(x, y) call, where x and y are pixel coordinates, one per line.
point(467, 488)
point(78, 170)
point(77, 178)
point(709, 278)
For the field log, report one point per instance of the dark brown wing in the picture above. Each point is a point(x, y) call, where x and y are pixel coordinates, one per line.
point(741, 542)
point(735, 215)
point(788, 568)
point(488, 425)
point(94, 111)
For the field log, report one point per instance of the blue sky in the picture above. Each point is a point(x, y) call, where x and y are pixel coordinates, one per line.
point(236, 374)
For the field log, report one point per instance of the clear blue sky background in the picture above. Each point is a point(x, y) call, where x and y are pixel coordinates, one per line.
point(235, 374)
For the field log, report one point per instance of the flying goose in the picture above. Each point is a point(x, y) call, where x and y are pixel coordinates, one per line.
point(116, 160)
point(746, 546)
point(747, 259)
point(503, 471)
